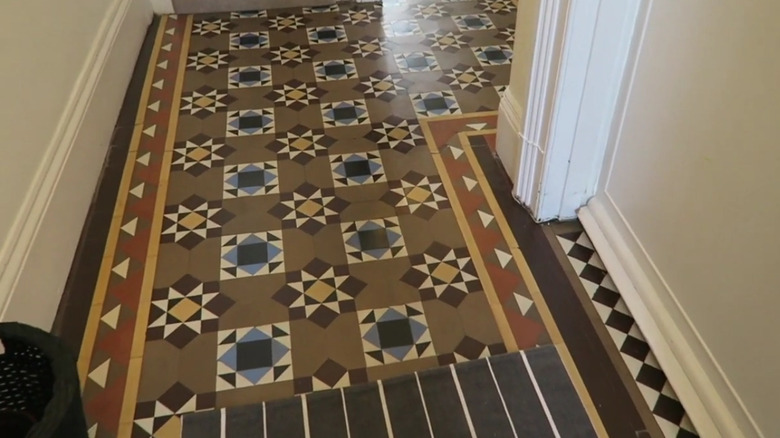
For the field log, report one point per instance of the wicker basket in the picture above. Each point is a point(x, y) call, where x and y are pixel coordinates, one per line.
point(39, 386)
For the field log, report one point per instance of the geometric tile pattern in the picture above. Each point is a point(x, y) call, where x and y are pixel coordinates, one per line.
point(327, 34)
point(301, 144)
point(375, 239)
point(295, 95)
point(199, 154)
point(435, 103)
point(346, 113)
point(320, 292)
point(251, 179)
point(634, 349)
point(186, 309)
point(395, 334)
point(335, 70)
point(205, 101)
point(360, 16)
point(320, 9)
point(397, 134)
point(473, 22)
point(211, 27)
point(208, 59)
point(383, 86)
point(467, 78)
point(194, 220)
point(251, 76)
point(250, 122)
point(118, 298)
point(443, 273)
point(250, 254)
point(286, 22)
point(309, 208)
point(367, 47)
point(447, 41)
point(417, 194)
point(357, 169)
point(249, 40)
point(429, 11)
point(237, 15)
point(259, 104)
point(497, 6)
point(416, 62)
point(493, 55)
point(289, 53)
point(253, 355)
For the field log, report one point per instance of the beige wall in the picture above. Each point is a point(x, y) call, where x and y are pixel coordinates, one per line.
point(54, 51)
point(696, 176)
point(44, 45)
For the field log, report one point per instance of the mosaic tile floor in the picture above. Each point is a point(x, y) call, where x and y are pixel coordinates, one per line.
point(634, 349)
point(300, 211)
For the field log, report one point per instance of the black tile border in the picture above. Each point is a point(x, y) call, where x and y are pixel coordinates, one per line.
point(73, 311)
point(618, 412)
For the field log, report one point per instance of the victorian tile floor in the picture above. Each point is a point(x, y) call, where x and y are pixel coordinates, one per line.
point(304, 205)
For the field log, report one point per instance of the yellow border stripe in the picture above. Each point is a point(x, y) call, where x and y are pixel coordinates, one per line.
point(104, 275)
point(533, 287)
point(139, 337)
point(479, 264)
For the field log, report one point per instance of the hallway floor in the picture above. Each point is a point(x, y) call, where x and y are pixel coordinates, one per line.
point(310, 200)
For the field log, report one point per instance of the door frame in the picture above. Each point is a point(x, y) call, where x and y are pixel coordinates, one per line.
point(554, 155)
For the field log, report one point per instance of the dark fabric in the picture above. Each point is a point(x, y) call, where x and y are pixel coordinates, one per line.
point(285, 419)
point(559, 394)
point(405, 407)
point(326, 415)
point(364, 412)
point(204, 425)
point(483, 400)
point(524, 407)
point(499, 396)
point(46, 372)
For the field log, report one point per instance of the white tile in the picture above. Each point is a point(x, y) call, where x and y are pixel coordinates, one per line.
point(670, 430)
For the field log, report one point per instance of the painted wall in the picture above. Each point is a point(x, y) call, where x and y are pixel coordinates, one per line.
point(695, 175)
point(62, 89)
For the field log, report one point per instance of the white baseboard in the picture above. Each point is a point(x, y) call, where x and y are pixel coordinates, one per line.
point(47, 227)
point(709, 399)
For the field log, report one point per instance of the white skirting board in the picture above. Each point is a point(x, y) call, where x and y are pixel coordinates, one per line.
point(50, 222)
point(710, 401)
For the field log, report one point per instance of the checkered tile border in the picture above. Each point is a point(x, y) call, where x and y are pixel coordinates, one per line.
point(630, 341)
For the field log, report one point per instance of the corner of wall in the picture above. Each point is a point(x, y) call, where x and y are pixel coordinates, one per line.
point(709, 399)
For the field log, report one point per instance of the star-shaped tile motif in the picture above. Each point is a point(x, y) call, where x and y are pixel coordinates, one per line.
point(320, 292)
point(295, 94)
point(199, 154)
point(443, 273)
point(417, 194)
point(301, 144)
point(194, 220)
point(467, 78)
point(309, 208)
point(205, 101)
